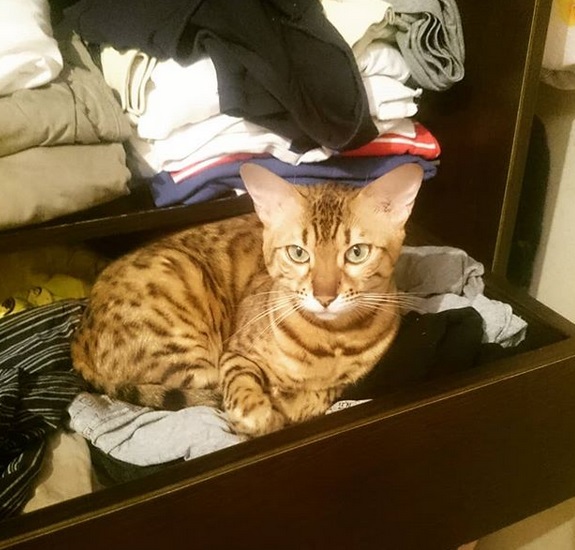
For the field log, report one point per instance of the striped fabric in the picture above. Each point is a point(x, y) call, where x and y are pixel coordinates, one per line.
point(36, 385)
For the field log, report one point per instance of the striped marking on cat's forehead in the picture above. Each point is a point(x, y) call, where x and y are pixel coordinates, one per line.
point(328, 211)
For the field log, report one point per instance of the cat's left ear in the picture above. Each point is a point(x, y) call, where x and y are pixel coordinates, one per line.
point(394, 193)
point(274, 198)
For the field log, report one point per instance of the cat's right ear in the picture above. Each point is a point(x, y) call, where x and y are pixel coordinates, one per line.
point(275, 200)
point(393, 193)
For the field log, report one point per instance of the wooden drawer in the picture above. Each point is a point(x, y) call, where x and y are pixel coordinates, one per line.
point(431, 466)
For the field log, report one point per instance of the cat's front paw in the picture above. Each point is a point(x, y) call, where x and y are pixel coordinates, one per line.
point(255, 420)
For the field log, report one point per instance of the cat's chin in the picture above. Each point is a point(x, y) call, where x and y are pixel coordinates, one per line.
point(325, 315)
point(329, 315)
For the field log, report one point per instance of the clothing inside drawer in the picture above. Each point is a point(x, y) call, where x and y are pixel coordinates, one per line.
point(451, 327)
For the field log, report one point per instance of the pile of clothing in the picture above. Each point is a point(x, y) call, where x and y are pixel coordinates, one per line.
point(61, 128)
point(313, 90)
point(449, 325)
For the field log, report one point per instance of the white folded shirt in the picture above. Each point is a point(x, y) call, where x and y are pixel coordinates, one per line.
point(382, 58)
point(29, 54)
point(179, 95)
point(192, 144)
point(389, 99)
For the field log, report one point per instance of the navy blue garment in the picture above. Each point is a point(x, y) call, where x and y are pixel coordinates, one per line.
point(218, 180)
point(36, 385)
point(279, 63)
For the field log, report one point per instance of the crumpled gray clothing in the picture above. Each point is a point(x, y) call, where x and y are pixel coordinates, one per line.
point(438, 278)
point(429, 35)
point(427, 270)
point(144, 436)
point(78, 107)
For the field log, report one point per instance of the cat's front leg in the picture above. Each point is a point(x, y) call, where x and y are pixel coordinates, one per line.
point(246, 401)
point(302, 404)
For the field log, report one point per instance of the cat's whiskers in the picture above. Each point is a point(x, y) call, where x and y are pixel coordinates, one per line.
point(381, 301)
point(270, 306)
point(277, 320)
point(258, 295)
point(366, 308)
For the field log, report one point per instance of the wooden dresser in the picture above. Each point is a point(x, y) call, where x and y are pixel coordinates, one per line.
point(429, 467)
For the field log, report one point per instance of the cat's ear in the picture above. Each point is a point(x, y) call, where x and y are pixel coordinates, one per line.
point(393, 193)
point(274, 198)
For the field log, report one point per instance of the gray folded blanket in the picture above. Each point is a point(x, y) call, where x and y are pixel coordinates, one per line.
point(430, 37)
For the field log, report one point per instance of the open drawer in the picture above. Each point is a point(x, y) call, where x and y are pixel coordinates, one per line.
point(431, 466)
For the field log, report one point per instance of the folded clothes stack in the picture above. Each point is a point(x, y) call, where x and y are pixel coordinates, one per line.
point(207, 87)
point(191, 82)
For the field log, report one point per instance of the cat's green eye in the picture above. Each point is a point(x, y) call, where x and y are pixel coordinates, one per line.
point(297, 254)
point(357, 253)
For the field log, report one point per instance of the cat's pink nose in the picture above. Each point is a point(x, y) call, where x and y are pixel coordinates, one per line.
point(325, 300)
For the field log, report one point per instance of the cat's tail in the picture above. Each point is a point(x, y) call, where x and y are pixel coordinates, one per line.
point(158, 396)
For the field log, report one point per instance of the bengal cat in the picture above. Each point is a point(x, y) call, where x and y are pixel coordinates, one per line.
point(269, 314)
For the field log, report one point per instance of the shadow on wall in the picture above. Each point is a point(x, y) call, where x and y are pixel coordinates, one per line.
point(528, 226)
point(556, 109)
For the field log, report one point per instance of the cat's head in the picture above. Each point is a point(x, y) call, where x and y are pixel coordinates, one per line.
point(333, 246)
